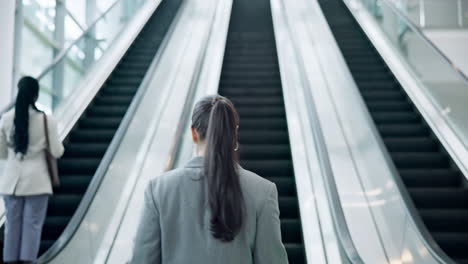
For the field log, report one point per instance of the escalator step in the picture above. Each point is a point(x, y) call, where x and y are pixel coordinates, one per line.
point(74, 184)
point(446, 198)
point(405, 160)
point(291, 230)
point(419, 144)
point(402, 130)
point(454, 244)
point(78, 166)
point(251, 136)
point(63, 204)
point(271, 123)
point(263, 151)
point(445, 220)
point(269, 168)
point(101, 123)
point(430, 178)
point(395, 117)
point(91, 150)
point(92, 135)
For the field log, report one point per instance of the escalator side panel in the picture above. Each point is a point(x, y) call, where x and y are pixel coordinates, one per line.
point(435, 184)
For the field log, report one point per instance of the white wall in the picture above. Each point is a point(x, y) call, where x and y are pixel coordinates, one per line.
point(7, 25)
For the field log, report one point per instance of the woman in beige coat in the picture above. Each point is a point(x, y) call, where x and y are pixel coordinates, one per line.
point(25, 183)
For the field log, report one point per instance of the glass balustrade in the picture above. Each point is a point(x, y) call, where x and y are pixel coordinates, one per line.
point(444, 83)
point(83, 49)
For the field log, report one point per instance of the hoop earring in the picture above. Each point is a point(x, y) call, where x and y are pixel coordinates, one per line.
point(237, 147)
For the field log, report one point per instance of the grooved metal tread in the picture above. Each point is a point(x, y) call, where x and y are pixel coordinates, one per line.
point(250, 78)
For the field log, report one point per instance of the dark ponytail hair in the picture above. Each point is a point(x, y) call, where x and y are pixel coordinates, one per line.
point(28, 92)
point(216, 121)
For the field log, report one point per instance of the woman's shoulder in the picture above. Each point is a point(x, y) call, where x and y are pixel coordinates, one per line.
point(172, 177)
point(255, 186)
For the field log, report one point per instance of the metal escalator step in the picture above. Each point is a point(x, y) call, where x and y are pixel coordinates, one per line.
point(386, 106)
point(445, 220)
point(263, 111)
point(453, 243)
point(73, 184)
point(271, 123)
point(427, 160)
point(53, 227)
point(63, 204)
point(289, 207)
point(440, 198)
point(94, 150)
point(106, 100)
point(402, 130)
point(381, 95)
point(411, 144)
point(266, 136)
point(295, 252)
point(78, 166)
point(269, 168)
point(291, 230)
point(100, 123)
point(263, 151)
point(92, 135)
point(430, 178)
point(110, 111)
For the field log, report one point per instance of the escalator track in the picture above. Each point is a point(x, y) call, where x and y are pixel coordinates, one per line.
point(88, 141)
point(435, 184)
point(250, 77)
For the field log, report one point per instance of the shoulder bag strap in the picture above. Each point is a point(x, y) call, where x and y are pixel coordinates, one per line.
point(46, 132)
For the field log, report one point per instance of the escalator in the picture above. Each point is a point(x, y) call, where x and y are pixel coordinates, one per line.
point(250, 77)
point(434, 183)
point(89, 139)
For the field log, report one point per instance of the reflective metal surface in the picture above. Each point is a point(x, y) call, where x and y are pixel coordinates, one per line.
point(196, 33)
point(373, 186)
point(326, 237)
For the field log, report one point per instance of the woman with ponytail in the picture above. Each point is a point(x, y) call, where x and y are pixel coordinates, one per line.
point(212, 210)
point(25, 183)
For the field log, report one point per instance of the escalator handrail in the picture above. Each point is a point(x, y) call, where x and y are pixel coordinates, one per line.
point(106, 161)
point(346, 243)
point(422, 36)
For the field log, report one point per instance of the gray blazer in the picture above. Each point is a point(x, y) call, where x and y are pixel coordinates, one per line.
point(175, 223)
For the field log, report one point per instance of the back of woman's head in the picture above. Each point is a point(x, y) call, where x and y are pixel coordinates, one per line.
point(216, 122)
point(28, 92)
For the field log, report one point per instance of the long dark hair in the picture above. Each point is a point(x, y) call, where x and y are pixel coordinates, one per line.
point(28, 92)
point(216, 121)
